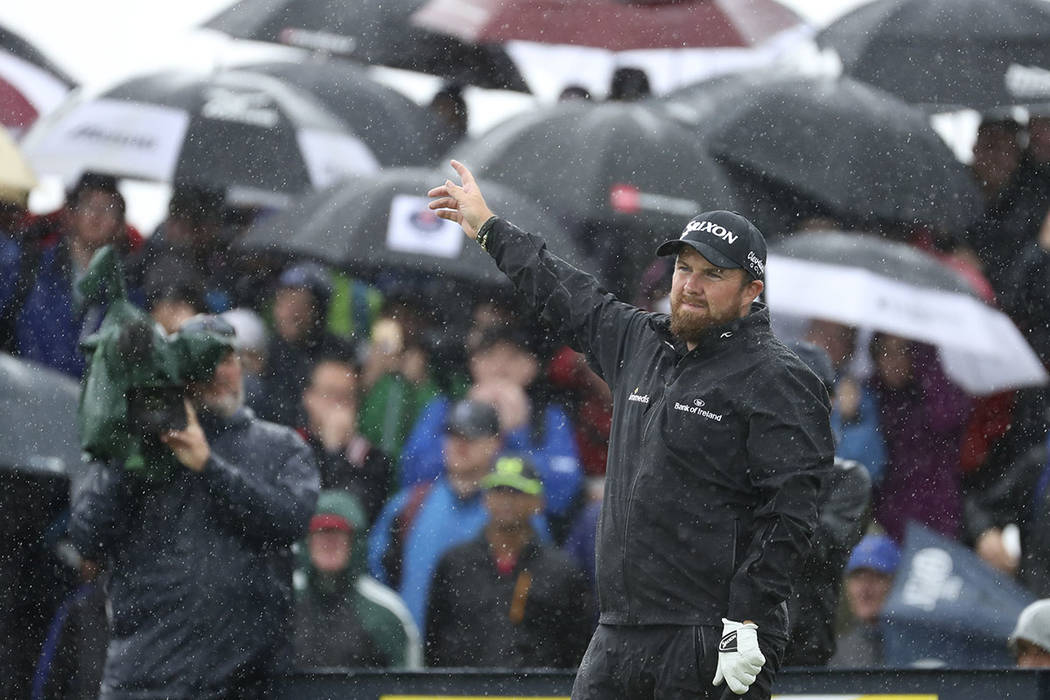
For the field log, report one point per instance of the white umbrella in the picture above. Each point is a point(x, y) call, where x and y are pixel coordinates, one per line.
point(868, 282)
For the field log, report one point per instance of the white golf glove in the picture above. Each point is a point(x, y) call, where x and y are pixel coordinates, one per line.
point(739, 658)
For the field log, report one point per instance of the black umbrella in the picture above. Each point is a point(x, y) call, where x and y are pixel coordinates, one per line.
point(626, 176)
point(38, 418)
point(856, 153)
point(396, 129)
point(258, 137)
point(370, 31)
point(381, 223)
point(948, 53)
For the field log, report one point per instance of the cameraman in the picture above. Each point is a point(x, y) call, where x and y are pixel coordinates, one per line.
point(200, 592)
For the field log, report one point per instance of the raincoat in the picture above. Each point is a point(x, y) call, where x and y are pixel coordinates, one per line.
point(350, 619)
point(536, 615)
point(716, 455)
point(200, 592)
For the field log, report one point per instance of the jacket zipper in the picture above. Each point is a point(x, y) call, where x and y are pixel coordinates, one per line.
point(654, 412)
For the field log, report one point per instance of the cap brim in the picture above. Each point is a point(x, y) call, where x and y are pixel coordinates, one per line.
point(513, 481)
point(469, 433)
point(710, 254)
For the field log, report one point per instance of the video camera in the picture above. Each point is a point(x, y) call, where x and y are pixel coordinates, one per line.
point(135, 385)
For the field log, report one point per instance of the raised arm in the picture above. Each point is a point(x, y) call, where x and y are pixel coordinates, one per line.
point(569, 300)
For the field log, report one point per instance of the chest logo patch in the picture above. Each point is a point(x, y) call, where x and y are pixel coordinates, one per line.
point(640, 398)
point(697, 409)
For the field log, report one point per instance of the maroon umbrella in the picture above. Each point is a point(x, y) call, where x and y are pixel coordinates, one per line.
point(608, 24)
point(30, 85)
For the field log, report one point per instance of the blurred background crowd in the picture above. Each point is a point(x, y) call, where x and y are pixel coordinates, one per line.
point(912, 274)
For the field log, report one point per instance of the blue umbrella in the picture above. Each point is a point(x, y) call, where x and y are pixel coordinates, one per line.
point(948, 606)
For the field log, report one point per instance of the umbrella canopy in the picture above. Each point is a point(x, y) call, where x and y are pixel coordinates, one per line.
point(38, 418)
point(869, 282)
point(950, 606)
point(16, 177)
point(608, 24)
point(371, 32)
point(382, 223)
point(625, 175)
point(860, 154)
point(255, 136)
point(948, 53)
point(30, 84)
point(557, 43)
point(394, 128)
point(601, 162)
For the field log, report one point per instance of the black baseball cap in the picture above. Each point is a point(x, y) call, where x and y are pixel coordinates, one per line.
point(726, 239)
point(472, 419)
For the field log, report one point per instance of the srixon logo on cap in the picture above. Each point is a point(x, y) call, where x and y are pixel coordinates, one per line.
point(712, 228)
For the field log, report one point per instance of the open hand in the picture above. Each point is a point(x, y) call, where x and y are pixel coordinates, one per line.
point(462, 204)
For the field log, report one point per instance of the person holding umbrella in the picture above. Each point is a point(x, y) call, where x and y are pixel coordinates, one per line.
point(720, 442)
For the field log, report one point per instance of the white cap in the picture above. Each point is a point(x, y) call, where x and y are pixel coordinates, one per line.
point(251, 331)
point(1033, 625)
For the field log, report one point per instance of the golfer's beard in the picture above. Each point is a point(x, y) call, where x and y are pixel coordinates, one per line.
point(691, 327)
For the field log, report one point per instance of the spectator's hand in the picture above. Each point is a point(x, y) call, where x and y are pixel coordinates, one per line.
point(1044, 232)
point(335, 426)
point(384, 353)
point(464, 205)
point(190, 446)
point(739, 658)
point(414, 365)
point(847, 397)
point(512, 405)
point(991, 548)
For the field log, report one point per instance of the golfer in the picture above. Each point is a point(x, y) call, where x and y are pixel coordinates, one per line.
point(720, 440)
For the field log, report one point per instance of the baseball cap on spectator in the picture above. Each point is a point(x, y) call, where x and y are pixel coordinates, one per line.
point(472, 419)
point(725, 239)
point(209, 323)
point(1033, 625)
point(515, 472)
point(311, 277)
point(876, 552)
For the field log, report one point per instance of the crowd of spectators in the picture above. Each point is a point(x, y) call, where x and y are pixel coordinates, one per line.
point(461, 450)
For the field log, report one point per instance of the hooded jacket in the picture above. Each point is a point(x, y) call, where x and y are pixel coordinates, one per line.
point(716, 455)
point(200, 594)
point(350, 619)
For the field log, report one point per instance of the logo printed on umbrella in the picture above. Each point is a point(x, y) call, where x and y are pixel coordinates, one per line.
point(93, 132)
point(1027, 81)
point(426, 220)
point(254, 108)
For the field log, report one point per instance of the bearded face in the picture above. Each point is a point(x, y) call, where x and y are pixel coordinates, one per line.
point(705, 296)
point(224, 394)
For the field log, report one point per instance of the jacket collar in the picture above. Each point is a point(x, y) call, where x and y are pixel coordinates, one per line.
point(214, 424)
point(756, 322)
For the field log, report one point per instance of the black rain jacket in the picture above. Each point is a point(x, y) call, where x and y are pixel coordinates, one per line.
point(716, 456)
point(200, 593)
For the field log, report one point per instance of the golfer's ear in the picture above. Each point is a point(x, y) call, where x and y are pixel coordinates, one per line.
point(754, 288)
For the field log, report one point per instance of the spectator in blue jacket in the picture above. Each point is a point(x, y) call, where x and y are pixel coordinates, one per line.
point(41, 318)
point(422, 521)
point(505, 373)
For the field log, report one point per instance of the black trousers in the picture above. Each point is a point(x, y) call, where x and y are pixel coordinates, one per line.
point(665, 662)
